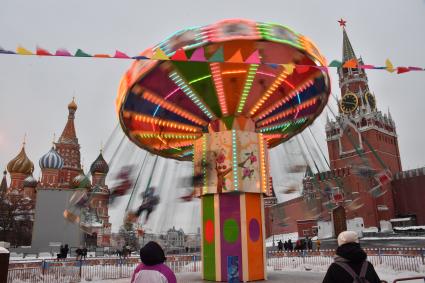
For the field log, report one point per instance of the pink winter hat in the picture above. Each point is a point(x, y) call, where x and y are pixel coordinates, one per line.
point(347, 237)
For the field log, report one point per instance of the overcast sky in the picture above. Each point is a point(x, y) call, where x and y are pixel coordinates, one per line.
point(35, 91)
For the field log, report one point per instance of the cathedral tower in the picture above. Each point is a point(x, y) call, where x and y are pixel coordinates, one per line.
point(69, 149)
point(361, 136)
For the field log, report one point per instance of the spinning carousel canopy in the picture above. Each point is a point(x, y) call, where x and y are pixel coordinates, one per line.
point(235, 74)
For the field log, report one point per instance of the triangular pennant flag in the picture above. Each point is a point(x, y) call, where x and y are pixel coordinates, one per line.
point(401, 70)
point(102, 55)
point(300, 69)
point(198, 55)
point(121, 55)
point(366, 67)
point(22, 51)
point(43, 52)
point(62, 52)
point(179, 55)
point(236, 58)
point(81, 53)
point(289, 68)
point(254, 58)
point(4, 51)
point(218, 56)
point(389, 66)
point(415, 69)
point(159, 55)
point(335, 63)
point(140, 57)
point(352, 63)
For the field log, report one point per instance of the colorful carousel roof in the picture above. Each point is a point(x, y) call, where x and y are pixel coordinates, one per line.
point(235, 74)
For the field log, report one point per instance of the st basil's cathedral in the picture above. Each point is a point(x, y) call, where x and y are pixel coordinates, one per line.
point(60, 170)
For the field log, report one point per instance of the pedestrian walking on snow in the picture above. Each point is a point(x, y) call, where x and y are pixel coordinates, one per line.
point(350, 265)
point(152, 269)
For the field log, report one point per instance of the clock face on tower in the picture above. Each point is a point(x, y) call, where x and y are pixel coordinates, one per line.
point(370, 100)
point(349, 103)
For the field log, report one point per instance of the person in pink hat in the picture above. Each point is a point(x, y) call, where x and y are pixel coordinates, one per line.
point(350, 265)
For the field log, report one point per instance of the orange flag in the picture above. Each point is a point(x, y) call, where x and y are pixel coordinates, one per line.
point(352, 63)
point(236, 58)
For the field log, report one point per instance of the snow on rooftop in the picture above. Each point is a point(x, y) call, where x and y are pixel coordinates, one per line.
point(400, 219)
point(3, 250)
point(409, 228)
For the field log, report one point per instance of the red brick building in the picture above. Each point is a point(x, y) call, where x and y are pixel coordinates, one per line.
point(364, 157)
point(409, 192)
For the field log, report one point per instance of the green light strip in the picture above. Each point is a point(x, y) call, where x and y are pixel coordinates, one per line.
point(283, 126)
point(235, 160)
point(247, 87)
point(177, 79)
point(199, 79)
point(204, 164)
point(266, 32)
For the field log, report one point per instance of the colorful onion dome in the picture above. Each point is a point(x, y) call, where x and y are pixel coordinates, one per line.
point(51, 160)
point(81, 181)
point(30, 182)
point(72, 105)
point(99, 165)
point(21, 164)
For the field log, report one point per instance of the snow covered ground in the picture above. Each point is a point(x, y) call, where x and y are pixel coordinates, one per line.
point(289, 276)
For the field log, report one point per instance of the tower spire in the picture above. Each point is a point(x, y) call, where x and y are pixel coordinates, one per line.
point(3, 184)
point(68, 134)
point(347, 48)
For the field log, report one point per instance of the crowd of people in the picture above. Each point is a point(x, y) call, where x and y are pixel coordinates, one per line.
point(300, 245)
point(63, 252)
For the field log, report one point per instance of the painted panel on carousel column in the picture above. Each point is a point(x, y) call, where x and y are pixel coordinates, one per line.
point(255, 236)
point(219, 162)
point(248, 161)
point(208, 237)
point(230, 230)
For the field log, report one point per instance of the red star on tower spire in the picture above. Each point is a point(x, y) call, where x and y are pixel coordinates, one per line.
point(342, 22)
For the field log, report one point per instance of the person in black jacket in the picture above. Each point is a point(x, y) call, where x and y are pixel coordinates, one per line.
point(350, 262)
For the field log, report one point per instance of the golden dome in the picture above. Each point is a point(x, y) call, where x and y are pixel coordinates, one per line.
point(72, 104)
point(21, 164)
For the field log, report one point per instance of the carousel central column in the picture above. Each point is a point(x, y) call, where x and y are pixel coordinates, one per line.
point(234, 169)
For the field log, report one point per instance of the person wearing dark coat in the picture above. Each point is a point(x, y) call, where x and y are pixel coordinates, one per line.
point(65, 251)
point(84, 253)
point(290, 245)
point(79, 253)
point(350, 262)
point(280, 245)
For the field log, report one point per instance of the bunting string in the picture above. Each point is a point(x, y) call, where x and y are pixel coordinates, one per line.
point(199, 56)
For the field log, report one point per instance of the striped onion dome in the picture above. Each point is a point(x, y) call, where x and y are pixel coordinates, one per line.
point(51, 160)
point(81, 181)
point(99, 165)
point(21, 164)
point(30, 182)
